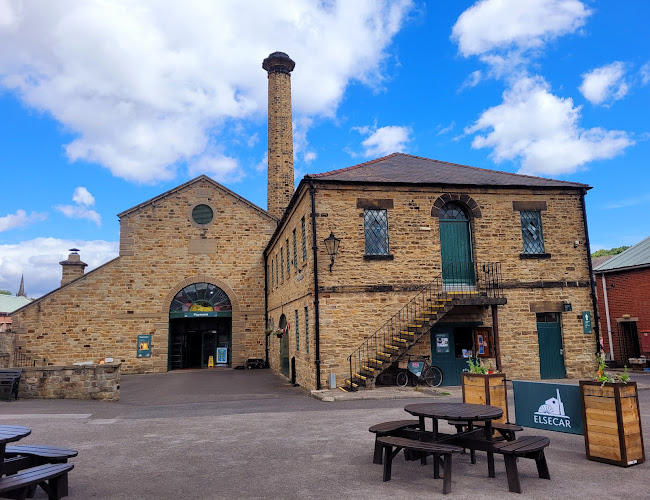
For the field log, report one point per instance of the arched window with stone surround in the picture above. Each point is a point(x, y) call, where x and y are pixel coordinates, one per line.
point(200, 298)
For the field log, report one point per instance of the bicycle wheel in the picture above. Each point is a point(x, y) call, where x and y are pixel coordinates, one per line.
point(402, 378)
point(433, 376)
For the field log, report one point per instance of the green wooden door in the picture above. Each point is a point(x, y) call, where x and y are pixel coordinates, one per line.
point(443, 355)
point(551, 352)
point(456, 246)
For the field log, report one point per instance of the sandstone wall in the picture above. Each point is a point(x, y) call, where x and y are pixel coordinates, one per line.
point(360, 294)
point(97, 382)
point(162, 250)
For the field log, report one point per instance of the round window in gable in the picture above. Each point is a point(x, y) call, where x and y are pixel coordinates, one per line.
point(202, 214)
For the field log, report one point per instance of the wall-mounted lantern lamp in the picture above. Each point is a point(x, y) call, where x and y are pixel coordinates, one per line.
point(332, 246)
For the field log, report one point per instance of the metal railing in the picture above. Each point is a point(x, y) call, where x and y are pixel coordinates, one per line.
point(458, 280)
point(22, 360)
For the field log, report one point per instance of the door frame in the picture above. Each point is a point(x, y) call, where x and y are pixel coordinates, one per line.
point(470, 279)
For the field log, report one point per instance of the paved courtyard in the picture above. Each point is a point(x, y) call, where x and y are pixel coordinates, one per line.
point(248, 434)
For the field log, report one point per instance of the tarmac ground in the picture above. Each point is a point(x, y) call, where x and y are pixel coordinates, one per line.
point(226, 434)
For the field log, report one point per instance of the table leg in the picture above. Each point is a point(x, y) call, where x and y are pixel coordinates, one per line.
point(421, 418)
point(490, 455)
point(472, 452)
point(2, 458)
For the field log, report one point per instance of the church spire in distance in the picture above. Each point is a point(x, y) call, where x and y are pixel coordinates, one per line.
point(21, 290)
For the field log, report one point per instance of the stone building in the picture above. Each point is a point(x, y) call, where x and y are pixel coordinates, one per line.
point(431, 258)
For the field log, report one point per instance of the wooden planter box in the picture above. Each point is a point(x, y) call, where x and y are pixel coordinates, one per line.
point(612, 423)
point(488, 389)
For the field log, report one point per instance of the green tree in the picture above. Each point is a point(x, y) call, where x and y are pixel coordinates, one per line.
point(5, 292)
point(611, 251)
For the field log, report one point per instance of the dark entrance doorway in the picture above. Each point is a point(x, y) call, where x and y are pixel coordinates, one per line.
point(194, 340)
point(200, 327)
point(628, 341)
point(551, 351)
point(451, 346)
point(284, 347)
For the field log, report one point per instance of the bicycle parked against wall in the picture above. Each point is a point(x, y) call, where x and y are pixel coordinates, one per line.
point(419, 371)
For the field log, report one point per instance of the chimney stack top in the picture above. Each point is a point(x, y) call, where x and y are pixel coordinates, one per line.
point(278, 62)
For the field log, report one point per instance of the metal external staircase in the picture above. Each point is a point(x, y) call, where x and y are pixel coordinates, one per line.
point(463, 282)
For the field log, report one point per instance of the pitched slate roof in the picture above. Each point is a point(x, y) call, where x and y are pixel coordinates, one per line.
point(400, 168)
point(9, 303)
point(635, 256)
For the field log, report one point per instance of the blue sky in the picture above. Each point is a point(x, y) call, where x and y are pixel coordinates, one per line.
point(107, 104)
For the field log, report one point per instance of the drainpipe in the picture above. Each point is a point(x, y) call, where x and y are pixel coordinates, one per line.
point(266, 312)
point(609, 322)
point(312, 192)
point(592, 281)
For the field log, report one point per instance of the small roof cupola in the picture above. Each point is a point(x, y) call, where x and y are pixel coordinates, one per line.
point(73, 267)
point(280, 152)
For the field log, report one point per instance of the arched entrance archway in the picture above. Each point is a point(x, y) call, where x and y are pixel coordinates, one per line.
point(200, 326)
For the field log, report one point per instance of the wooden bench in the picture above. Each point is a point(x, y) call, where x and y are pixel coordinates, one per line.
point(391, 428)
point(22, 457)
point(507, 431)
point(440, 452)
point(526, 447)
point(53, 478)
point(10, 378)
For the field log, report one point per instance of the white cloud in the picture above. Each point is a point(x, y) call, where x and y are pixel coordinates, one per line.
point(501, 31)
point(263, 163)
point(605, 83)
point(472, 80)
point(144, 85)
point(645, 74)
point(542, 131)
point(80, 212)
point(218, 166)
point(447, 129)
point(19, 219)
point(83, 199)
point(82, 196)
point(38, 260)
point(385, 140)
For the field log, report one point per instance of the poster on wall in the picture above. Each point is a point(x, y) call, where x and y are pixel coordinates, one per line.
point(442, 342)
point(222, 355)
point(144, 346)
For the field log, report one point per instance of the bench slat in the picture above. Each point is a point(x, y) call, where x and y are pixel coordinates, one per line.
point(32, 476)
point(41, 451)
point(523, 445)
point(394, 425)
point(412, 444)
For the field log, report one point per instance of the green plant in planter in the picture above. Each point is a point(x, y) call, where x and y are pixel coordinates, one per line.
point(604, 377)
point(475, 366)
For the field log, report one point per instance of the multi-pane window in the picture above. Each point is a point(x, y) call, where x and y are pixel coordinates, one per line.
point(531, 231)
point(277, 265)
point(375, 224)
point(306, 329)
point(288, 260)
point(281, 264)
point(304, 240)
point(297, 332)
point(295, 250)
point(272, 273)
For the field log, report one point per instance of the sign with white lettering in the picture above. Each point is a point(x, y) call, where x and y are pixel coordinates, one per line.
point(586, 321)
point(553, 407)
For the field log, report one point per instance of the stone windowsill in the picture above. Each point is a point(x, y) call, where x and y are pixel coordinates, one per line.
point(534, 255)
point(378, 257)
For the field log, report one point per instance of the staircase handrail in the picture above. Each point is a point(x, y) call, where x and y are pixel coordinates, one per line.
point(459, 278)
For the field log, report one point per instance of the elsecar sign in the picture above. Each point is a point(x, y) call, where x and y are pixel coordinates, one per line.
point(553, 407)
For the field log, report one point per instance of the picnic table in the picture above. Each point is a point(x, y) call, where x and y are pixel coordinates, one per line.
point(21, 472)
point(473, 438)
point(474, 427)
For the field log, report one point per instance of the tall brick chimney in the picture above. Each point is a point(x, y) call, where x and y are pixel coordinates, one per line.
point(280, 162)
point(73, 268)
